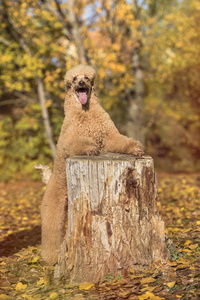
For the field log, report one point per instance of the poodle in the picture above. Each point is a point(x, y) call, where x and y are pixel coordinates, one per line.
point(86, 130)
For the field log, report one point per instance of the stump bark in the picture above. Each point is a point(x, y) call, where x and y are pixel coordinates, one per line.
point(113, 219)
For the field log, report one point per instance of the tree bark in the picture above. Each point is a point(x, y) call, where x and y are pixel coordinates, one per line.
point(113, 220)
point(45, 115)
point(75, 31)
point(136, 100)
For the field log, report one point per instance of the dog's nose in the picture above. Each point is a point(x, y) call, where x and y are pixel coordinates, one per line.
point(81, 82)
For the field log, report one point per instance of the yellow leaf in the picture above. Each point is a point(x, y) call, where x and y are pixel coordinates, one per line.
point(54, 296)
point(149, 295)
point(193, 247)
point(181, 266)
point(4, 297)
point(86, 286)
point(172, 263)
point(36, 258)
point(171, 284)
point(148, 288)
point(147, 280)
point(27, 297)
point(3, 271)
point(187, 250)
point(143, 297)
point(188, 242)
point(198, 222)
point(183, 261)
point(20, 286)
point(41, 281)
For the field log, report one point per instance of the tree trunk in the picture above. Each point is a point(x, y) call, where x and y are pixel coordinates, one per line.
point(136, 100)
point(75, 31)
point(113, 220)
point(45, 115)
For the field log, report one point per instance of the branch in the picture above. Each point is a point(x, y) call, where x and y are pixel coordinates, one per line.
point(13, 29)
point(4, 41)
point(137, 8)
point(76, 33)
point(45, 114)
point(60, 16)
point(21, 98)
point(11, 101)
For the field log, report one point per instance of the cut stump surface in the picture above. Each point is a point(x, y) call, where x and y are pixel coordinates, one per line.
point(113, 220)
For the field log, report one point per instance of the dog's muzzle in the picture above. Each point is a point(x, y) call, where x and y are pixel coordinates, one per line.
point(82, 92)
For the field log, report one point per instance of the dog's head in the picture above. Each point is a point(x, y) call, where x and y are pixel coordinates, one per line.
point(80, 80)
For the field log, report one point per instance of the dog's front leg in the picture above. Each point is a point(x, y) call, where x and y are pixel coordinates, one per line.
point(118, 143)
point(80, 145)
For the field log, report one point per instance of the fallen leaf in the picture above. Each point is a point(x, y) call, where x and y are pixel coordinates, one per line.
point(124, 294)
point(181, 266)
point(148, 288)
point(41, 281)
point(27, 297)
point(85, 286)
point(147, 280)
point(171, 284)
point(3, 271)
point(172, 263)
point(35, 259)
point(187, 250)
point(188, 242)
point(193, 247)
point(54, 296)
point(149, 295)
point(20, 286)
point(4, 297)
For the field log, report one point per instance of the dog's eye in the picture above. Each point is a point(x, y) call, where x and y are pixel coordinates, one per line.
point(75, 78)
point(87, 78)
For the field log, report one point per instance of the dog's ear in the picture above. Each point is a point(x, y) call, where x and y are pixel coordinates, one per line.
point(92, 81)
point(67, 84)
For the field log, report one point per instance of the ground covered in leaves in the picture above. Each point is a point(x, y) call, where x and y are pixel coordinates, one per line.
point(23, 275)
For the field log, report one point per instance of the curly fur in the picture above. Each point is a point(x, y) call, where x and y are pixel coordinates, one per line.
point(87, 130)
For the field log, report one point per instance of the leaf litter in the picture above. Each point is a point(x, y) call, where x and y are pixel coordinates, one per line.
point(24, 276)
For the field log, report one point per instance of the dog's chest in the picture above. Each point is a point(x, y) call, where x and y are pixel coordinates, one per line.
point(90, 125)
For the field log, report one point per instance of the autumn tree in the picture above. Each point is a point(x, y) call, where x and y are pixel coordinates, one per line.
point(173, 90)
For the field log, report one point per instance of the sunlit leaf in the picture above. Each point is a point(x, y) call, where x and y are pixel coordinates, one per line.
point(54, 296)
point(4, 297)
point(86, 286)
point(20, 286)
point(171, 284)
point(147, 280)
point(193, 247)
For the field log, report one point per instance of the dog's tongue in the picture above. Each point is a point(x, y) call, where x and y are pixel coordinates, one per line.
point(82, 97)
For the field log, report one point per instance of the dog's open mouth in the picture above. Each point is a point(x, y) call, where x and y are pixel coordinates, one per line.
point(82, 94)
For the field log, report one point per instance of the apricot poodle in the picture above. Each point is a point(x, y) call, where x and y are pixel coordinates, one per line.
point(87, 130)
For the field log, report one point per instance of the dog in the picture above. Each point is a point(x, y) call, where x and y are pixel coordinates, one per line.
point(87, 129)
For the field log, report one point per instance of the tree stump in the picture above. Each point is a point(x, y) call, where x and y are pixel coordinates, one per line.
point(113, 219)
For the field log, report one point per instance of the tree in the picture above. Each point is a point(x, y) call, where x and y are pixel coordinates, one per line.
point(173, 89)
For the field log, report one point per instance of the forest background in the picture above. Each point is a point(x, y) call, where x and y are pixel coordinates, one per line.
point(147, 53)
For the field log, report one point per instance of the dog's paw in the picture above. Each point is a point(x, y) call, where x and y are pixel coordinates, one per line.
point(135, 148)
point(93, 152)
point(138, 152)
